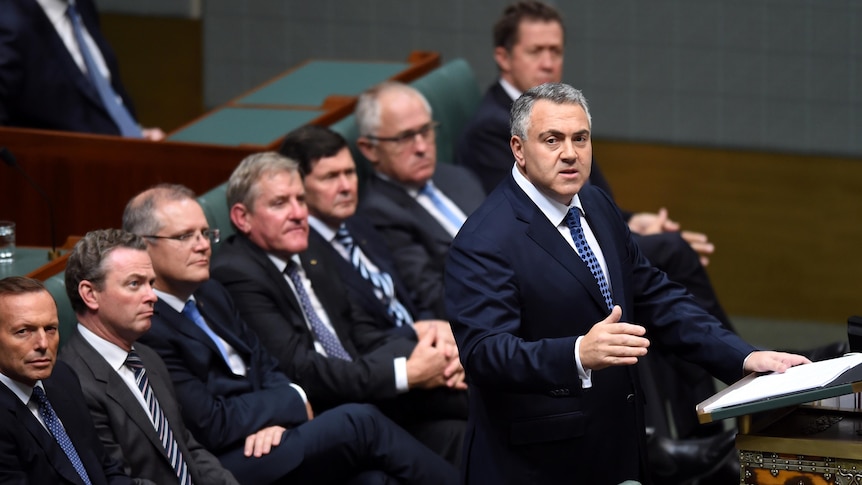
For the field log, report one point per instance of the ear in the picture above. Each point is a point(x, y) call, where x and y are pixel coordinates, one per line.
point(368, 149)
point(503, 60)
point(517, 146)
point(88, 292)
point(239, 215)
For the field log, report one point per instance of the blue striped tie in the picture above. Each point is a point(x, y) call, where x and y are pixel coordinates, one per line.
point(163, 428)
point(573, 220)
point(380, 279)
point(52, 422)
point(431, 192)
point(118, 112)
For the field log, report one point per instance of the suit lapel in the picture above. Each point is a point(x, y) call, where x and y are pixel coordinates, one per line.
point(59, 401)
point(423, 218)
point(613, 253)
point(276, 277)
point(318, 268)
point(113, 386)
point(188, 328)
point(546, 236)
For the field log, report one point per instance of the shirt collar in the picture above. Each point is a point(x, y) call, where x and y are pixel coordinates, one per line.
point(172, 301)
point(322, 228)
point(512, 91)
point(282, 263)
point(553, 210)
point(55, 10)
point(22, 391)
point(111, 352)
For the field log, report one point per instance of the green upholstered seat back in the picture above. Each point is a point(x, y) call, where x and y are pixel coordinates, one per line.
point(214, 204)
point(57, 287)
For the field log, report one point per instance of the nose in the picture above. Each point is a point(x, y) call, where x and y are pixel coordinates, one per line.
point(41, 340)
point(298, 210)
point(547, 60)
point(569, 153)
point(344, 182)
point(202, 243)
point(151, 296)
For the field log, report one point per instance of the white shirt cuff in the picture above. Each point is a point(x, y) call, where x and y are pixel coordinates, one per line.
point(300, 391)
point(401, 384)
point(584, 374)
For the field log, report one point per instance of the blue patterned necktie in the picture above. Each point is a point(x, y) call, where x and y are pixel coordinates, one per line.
point(52, 422)
point(380, 279)
point(326, 337)
point(190, 310)
point(573, 220)
point(118, 112)
point(429, 191)
point(160, 422)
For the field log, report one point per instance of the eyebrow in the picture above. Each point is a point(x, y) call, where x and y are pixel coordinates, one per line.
point(561, 134)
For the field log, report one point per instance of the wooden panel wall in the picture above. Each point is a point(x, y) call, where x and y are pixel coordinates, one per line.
point(787, 228)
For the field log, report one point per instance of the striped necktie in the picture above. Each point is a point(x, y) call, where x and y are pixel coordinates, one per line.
point(52, 422)
point(326, 337)
point(121, 116)
point(160, 422)
point(431, 192)
point(573, 220)
point(385, 289)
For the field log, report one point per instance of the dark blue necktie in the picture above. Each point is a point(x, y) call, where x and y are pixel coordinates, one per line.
point(326, 337)
point(52, 422)
point(573, 220)
point(163, 428)
point(118, 112)
point(429, 191)
point(380, 279)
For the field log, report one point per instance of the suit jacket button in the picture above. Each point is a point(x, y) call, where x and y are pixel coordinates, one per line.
point(630, 398)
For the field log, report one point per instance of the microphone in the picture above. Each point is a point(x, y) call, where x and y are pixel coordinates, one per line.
point(9, 159)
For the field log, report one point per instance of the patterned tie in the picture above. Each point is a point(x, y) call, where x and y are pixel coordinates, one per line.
point(431, 192)
point(326, 337)
point(190, 310)
point(380, 279)
point(573, 220)
point(118, 112)
point(52, 422)
point(160, 422)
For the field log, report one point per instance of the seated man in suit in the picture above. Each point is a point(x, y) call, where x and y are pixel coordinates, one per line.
point(57, 71)
point(287, 288)
point(233, 397)
point(126, 384)
point(417, 204)
point(46, 434)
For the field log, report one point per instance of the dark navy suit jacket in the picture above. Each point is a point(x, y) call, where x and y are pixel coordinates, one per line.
point(40, 84)
point(219, 407)
point(28, 452)
point(418, 243)
point(518, 297)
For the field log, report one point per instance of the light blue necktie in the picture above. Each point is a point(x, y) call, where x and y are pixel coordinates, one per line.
point(431, 192)
point(163, 428)
point(118, 112)
point(381, 280)
point(52, 422)
point(326, 337)
point(573, 220)
point(190, 310)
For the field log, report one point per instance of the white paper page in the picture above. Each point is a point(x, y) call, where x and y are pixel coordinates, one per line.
point(799, 378)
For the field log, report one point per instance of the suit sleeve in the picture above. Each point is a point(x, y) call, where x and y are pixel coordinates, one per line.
point(11, 471)
point(482, 295)
point(327, 381)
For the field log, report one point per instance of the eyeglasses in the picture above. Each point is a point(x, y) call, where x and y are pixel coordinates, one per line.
point(214, 235)
point(403, 139)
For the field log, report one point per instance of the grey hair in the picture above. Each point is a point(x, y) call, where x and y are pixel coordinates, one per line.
point(557, 93)
point(368, 106)
point(242, 185)
point(138, 217)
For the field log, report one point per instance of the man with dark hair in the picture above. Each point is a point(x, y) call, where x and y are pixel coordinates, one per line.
point(286, 285)
point(128, 390)
point(234, 399)
point(46, 434)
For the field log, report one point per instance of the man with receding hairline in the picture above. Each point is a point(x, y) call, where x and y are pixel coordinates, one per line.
point(46, 434)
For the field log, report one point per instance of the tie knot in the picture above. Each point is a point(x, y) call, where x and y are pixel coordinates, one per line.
point(39, 395)
point(133, 361)
point(573, 217)
point(343, 236)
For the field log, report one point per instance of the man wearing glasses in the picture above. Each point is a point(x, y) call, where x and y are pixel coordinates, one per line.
point(417, 204)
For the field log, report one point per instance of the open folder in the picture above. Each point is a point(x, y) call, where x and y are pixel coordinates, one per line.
point(800, 384)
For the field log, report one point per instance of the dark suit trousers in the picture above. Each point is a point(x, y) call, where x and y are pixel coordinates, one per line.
point(344, 445)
